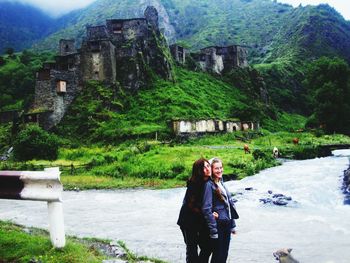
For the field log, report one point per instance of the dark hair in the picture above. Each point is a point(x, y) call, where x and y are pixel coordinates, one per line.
point(198, 170)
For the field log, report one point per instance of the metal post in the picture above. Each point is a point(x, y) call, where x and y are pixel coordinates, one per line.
point(56, 224)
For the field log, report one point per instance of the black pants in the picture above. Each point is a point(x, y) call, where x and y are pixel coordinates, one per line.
point(194, 238)
point(221, 245)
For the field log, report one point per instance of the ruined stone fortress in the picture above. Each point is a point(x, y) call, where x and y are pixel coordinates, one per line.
point(121, 52)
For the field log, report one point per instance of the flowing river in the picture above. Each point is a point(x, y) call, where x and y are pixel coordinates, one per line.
point(315, 223)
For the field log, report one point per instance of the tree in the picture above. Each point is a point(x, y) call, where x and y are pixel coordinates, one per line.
point(26, 57)
point(35, 143)
point(10, 51)
point(328, 83)
point(2, 61)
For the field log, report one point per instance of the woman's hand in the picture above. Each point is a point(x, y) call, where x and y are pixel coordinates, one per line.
point(216, 215)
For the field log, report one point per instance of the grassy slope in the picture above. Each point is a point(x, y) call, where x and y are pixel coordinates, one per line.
point(311, 32)
point(203, 23)
point(19, 246)
point(193, 96)
point(153, 164)
point(22, 245)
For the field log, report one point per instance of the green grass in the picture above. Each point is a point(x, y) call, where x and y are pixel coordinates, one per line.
point(131, 257)
point(22, 245)
point(19, 246)
point(155, 164)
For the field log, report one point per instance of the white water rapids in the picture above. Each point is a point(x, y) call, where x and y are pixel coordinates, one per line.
point(316, 223)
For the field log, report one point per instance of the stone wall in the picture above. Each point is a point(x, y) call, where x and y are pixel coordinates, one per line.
point(98, 61)
point(178, 53)
point(49, 99)
point(185, 127)
point(67, 47)
point(218, 60)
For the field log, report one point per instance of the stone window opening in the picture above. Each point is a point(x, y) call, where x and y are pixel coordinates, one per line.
point(61, 86)
point(117, 28)
point(219, 51)
point(66, 48)
point(43, 74)
point(96, 77)
point(95, 46)
point(181, 56)
point(202, 57)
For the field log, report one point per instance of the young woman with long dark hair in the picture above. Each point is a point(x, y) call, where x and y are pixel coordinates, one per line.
point(191, 220)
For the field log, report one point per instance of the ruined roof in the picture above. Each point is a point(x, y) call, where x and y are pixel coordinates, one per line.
point(125, 20)
point(234, 45)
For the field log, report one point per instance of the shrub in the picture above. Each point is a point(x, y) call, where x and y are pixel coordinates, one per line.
point(259, 154)
point(35, 143)
point(303, 153)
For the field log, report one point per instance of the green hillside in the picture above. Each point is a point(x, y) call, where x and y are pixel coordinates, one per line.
point(110, 114)
point(95, 14)
point(22, 25)
point(309, 33)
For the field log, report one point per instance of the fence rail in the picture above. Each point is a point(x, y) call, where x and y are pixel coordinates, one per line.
point(38, 186)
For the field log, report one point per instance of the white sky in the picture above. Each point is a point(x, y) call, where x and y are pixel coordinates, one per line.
point(55, 7)
point(58, 7)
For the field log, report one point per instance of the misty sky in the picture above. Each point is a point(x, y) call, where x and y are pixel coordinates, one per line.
point(59, 7)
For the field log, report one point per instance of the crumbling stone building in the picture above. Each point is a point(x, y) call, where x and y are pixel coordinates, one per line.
point(125, 52)
point(179, 53)
point(214, 59)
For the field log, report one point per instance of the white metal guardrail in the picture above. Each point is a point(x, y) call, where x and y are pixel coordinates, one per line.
point(38, 186)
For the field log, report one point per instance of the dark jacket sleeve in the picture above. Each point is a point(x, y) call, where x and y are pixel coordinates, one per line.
point(207, 210)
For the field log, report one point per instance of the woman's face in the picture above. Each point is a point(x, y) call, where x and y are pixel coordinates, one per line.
point(217, 170)
point(207, 170)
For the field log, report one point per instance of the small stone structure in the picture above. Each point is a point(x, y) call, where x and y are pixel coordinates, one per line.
point(123, 52)
point(216, 59)
point(186, 127)
point(178, 53)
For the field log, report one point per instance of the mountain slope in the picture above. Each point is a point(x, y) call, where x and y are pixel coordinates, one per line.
point(272, 30)
point(311, 32)
point(22, 25)
point(74, 24)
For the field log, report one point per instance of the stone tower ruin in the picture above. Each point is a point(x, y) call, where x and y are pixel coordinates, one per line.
point(122, 51)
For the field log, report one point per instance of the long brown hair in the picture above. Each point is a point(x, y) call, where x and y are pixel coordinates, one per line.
point(198, 170)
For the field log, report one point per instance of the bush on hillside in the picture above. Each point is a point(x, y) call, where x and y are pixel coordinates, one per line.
point(35, 143)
